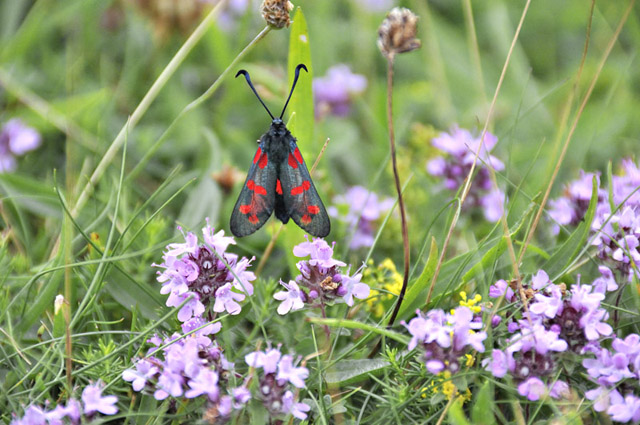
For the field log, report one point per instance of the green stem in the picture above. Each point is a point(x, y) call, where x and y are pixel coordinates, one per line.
point(403, 214)
point(195, 103)
point(144, 104)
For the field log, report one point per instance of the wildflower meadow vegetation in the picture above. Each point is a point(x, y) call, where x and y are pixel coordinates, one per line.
point(469, 173)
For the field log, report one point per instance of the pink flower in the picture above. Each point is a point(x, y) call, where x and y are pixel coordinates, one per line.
point(292, 299)
point(94, 401)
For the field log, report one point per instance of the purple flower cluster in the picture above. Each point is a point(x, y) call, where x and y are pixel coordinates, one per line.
point(321, 279)
point(446, 337)
point(571, 208)
point(617, 373)
point(364, 209)
point(460, 147)
point(92, 402)
point(188, 366)
point(618, 240)
point(278, 372)
point(618, 231)
point(333, 92)
point(16, 139)
point(198, 275)
point(558, 321)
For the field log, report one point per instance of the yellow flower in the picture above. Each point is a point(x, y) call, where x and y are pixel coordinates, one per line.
point(389, 283)
point(472, 303)
point(470, 360)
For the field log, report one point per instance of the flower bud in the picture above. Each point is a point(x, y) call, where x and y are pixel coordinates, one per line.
point(276, 12)
point(397, 33)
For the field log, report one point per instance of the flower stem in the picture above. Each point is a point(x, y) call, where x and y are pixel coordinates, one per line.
point(403, 216)
point(195, 103)
point(144, 104)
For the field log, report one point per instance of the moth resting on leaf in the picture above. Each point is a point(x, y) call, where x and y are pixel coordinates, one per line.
point(278, 180)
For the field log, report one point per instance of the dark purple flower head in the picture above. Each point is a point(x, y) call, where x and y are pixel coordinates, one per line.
point(364, 208)
point(333, 92)
point(190, 366)
point(459, 147)
point(575, 316)
point(320, 279)
point(278, 372)
point(559, 320)
point(196, 274)
point(16, 139)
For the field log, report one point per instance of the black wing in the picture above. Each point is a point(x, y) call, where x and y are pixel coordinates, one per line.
point(257, 198)
point(301, 200)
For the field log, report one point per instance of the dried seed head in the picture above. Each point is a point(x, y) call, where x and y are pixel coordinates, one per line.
point(276, 12)
point(227, 178)
point(328, 284)
point(397, 33)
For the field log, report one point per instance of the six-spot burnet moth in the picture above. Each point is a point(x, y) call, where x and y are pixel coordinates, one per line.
point(278, 179)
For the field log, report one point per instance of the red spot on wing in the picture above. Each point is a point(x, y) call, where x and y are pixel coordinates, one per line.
point(292, 162)
point(296, 152)
point(253, 219)
point(278, 187)
point(264, 160)
point(255, 158)
point(259, 190)
point(313, 209)
point(299, 189)
point(245, 209)
point(305, 219)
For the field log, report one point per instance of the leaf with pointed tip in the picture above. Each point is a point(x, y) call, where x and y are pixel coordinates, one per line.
point(302, 123)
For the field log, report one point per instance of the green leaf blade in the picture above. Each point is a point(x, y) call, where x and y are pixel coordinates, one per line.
point(300, 109)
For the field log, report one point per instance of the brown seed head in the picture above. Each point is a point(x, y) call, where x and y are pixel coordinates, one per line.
point(227, 177)
point(328, 284)
point(397, 34)
point(276, 12)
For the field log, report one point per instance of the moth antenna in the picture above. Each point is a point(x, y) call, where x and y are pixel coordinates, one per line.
point(293, 86)
point(246, 76)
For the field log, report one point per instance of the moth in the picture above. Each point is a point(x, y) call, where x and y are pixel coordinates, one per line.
point(278, 180)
